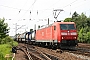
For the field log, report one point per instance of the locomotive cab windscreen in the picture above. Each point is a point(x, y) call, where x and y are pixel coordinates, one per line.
point(67, 27)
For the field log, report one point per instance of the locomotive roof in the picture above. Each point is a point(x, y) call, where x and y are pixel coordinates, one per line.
point(56, 23)
point(64, 23)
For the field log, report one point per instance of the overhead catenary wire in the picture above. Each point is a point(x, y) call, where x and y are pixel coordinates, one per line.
point(42, 9)
point(76, 6)
point(64, 6)
point(32, 5)
point(70, 4)
point(17, 15)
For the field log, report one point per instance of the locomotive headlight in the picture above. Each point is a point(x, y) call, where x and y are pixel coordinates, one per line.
point(73, 33)
point(63, 33)
point(75, 37)
point(62, 38)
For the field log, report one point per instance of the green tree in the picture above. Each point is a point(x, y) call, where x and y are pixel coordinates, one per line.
point(3, 29)
point(75, 16)
point(82, 25)
point(7, 39)
point(88, 22)
point(88, 37)
point(80, 35)
point(68, 20)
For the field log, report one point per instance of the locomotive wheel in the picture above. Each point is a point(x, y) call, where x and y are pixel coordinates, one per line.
point(54, 47)
point(49, 46)
point(42, 44)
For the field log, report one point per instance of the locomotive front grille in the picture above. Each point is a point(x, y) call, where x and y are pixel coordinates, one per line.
point(69, 42)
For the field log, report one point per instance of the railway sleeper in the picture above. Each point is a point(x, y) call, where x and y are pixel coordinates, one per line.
point(52, 57)
point(36, 56)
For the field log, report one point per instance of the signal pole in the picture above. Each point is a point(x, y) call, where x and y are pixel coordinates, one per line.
point(48, 21)
point(17, 29)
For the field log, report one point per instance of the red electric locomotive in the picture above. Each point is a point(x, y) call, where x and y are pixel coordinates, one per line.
point(58, 34)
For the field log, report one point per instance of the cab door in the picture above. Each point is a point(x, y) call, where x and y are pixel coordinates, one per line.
point(54, 32)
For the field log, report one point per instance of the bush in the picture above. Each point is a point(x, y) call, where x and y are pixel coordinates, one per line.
point(6, 40)
point(1, 56)
point(6, 49)
point(88, 37)
point(13, 43)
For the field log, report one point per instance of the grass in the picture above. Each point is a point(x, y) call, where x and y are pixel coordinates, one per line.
point(6, 49)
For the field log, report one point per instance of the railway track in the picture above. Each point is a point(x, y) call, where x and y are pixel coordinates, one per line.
point(34, 54)
point(79, 52)
point(39, 53)
point(23, 48)
point(84, 51)
point(30, 55)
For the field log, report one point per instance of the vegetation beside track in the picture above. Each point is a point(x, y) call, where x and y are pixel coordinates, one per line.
point(82, 25)
point(6, 42)
point(6, 49)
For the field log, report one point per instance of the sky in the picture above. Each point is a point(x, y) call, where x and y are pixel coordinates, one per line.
point(22, 15)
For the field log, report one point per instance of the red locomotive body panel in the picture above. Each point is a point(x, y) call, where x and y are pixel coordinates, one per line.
point(58, 32)
point(45, 34)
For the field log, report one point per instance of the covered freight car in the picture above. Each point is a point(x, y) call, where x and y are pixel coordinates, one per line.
point(58, 34)
point(23, 37)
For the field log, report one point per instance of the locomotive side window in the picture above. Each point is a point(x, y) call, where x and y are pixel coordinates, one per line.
point(67, 27)
point(54, 27)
